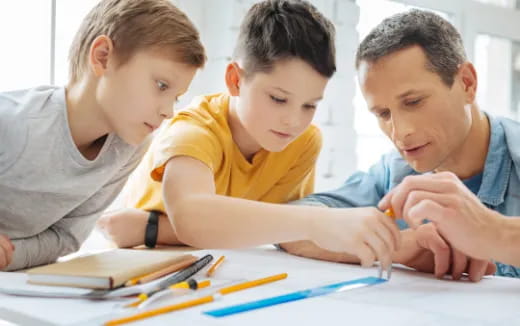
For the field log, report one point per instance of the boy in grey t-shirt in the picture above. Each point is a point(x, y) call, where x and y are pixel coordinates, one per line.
point(65, 153)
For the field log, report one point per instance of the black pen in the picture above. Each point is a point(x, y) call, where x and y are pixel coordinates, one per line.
point(181, 275)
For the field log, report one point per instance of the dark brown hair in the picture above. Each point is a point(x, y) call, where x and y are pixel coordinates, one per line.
point(274, 30)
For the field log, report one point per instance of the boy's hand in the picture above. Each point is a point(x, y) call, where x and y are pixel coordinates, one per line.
point(365, 232)
point(433, 254)
point(6, 251)
point(126, 227)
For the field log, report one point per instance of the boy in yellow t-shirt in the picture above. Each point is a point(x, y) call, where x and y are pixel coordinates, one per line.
point(223, 165)
point(202, 132)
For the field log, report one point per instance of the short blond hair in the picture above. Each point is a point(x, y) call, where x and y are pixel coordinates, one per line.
point(135, 25)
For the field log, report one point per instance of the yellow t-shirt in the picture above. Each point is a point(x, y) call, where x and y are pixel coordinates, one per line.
point(201, 131)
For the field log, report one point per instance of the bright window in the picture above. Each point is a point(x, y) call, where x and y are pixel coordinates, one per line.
point(497, 61)
point(69, 15)
point(25, 31)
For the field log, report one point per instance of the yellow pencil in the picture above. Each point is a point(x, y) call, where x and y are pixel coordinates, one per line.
point(158, 311)
point(390, 213)
point(181, 285)
point(214, 267)
point(186, 285)
point(196, 302)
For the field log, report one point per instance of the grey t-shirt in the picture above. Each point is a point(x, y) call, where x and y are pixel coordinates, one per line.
point(50, 194)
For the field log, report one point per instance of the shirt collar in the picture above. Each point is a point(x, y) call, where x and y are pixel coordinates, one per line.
point(497, 168)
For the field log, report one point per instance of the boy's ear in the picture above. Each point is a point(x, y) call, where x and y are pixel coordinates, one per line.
point(100, 52)
point(233, 76)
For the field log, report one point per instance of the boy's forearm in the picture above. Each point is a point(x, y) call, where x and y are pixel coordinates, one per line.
point(214, 221)
point(309, 249)
point(166, 235)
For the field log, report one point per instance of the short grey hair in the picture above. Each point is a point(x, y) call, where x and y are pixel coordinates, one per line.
point(439, 39)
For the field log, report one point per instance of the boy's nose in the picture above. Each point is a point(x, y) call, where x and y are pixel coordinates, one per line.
point(166, 112)
point(290, 120)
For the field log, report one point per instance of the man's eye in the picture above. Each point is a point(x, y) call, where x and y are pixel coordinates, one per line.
point(413, 102)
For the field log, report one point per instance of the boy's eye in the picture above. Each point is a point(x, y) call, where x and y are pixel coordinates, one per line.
point(162, 85)
point(310, 106)
point(383, 114)
point(413, 102)
point(278, 100)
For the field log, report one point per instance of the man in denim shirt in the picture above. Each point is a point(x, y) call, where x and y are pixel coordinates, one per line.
point(416, 79)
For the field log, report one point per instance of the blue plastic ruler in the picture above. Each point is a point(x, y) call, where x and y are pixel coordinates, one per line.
point(295, 296)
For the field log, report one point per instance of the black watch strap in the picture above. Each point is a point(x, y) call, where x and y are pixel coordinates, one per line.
point(152, 228)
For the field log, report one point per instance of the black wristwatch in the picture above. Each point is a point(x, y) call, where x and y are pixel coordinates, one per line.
point(152, 228)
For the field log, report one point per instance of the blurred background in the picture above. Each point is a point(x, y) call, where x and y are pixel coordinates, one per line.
point(36, 35)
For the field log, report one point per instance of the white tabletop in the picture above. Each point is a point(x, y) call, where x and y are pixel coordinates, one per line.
point(409, 298)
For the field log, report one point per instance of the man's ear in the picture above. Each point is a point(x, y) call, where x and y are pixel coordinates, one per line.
point(100, 52)
point(233, 77)
point(468, 78)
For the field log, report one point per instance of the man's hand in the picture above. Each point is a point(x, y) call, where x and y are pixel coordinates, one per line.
point(6, 251)
point(460, 217)
point(126, 227)
point(432, 254)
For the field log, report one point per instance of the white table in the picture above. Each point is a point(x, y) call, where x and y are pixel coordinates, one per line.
point(410, 298)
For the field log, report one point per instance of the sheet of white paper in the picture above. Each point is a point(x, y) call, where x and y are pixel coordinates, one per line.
point(43, 311)
point(18, 281)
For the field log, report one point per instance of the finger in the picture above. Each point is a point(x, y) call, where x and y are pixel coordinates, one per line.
point(384, 203)
point(416, 196)
point(9, 257)
point(6, 243)
point(491, 268)
point(459, 265)
point(366, 255)
point(380, 248)
point(477, 268)
point(446, 175)
point(4, 254)
point(425, 209)
point(390, 232)
point(441, 254)
point(8, 248)
point(11, 245)
point(427, 182)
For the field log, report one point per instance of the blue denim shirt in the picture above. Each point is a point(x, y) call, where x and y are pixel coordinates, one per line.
point(499, 188)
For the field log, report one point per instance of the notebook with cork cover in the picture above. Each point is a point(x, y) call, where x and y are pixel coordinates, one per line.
point(105, 270)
